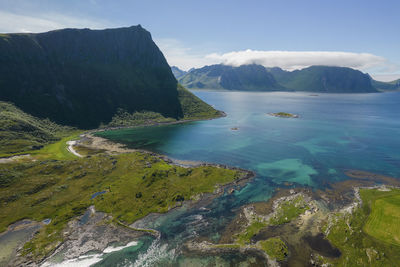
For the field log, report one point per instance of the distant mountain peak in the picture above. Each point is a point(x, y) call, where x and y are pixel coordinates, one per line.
point(178, 73)
point(251, 77)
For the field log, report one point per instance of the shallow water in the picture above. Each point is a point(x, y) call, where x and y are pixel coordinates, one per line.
point(335, 132)
point(17, 234)
point(322, 246)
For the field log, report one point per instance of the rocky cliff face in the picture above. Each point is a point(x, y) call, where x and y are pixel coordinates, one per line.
point(81, 77)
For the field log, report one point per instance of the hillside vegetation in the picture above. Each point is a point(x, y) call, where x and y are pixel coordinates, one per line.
point(193, 107)
point(21, 132)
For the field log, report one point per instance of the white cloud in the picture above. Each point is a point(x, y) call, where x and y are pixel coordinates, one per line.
point(386, 77)
point(185, 58)
point(12, 22)
point(177, 54)
point(290, 60)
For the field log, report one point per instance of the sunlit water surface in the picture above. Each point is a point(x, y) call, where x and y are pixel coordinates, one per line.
point(335, 132)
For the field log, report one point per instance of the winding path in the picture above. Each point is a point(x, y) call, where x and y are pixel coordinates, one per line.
point(71, 149)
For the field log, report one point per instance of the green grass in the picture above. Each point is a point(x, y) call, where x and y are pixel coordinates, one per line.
point(60, 188)
point(57, 150)
point(275, 248)
point(285, 212)
point(384, 221)
point(357, 236)
point(22, 133)
point(244, 238)
point(125, 119)
point(289, 210)
point(193, 107)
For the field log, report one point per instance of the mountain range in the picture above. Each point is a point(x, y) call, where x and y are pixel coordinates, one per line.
point(82, 77)
point(258, 78)
point(246, 77)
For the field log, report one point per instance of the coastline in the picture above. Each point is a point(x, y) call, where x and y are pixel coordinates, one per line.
point(222, 114)
point(91, 142)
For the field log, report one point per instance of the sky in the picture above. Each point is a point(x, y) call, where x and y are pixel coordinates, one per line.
point(291, 34)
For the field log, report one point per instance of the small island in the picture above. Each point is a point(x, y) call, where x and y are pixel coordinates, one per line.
point(284, 115)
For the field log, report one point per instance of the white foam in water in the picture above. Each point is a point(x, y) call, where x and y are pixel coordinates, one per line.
point(88, 260)
point(113, 249)
point(82, 261)
point(155, 253)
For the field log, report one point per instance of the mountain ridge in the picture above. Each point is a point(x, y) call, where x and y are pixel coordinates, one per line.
point(246, 77)
point(312, 79)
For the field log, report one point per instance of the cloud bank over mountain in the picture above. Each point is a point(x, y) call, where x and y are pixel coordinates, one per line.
point(185, 58)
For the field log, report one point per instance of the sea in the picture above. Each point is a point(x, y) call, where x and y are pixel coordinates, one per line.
point(333, 133)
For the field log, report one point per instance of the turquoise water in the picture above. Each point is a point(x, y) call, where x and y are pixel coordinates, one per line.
point(335, 132)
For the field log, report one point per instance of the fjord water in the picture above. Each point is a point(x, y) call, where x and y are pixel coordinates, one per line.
point(335, 132)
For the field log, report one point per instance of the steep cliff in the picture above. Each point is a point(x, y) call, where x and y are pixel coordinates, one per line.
point(81, 77)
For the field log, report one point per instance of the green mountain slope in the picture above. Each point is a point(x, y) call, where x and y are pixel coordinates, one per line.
point(325, 79)
point(81, 77)
point(245, 78)
point(195, 108)
point(21, 132)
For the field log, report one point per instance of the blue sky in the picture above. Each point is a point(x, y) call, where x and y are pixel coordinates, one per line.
point(196, 33)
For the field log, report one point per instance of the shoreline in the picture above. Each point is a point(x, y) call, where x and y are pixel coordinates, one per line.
point(91, 142)
point(74, 229)
point(222, 114)
point(309, 225)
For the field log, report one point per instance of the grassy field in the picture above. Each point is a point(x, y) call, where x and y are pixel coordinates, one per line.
point(57, 150)
point(275, 248)
point(367, 237)
point(384, 221)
